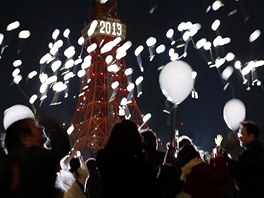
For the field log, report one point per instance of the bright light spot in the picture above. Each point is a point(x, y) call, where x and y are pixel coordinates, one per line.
point(258, 83)
point(115, 84)
point(160, 49)
point(130, 87)
point(215, 25)
point(194, 74)
point(91, 47)
point(123, 102)
point(55, 34)
point(69, 63)
point(207, 45)
point(103, 1)
point(43, 88)
point(59, 87)
point(170, 33)
point(46, 58)
point(92, 28)
point(227, 72)
point(13, 26)
point(17, 79)
point(247, 68)
point(174, 57)
point(146, 117)
point(51, 79)
point(58, 44)
point(66, 33)
point(15, 72)
point(70, 129)
point(1, 38)
point(43, 77)
point(32, 74)
point(217, 41)
point(151, 41)
point(24, 34)
point(17, 63)
point(238, 65)
point(69, 52)
point(68, 76)
point(86, 64)
point(109, 59)
point(55, 65)
point(230, 56)
point(120, 55)
point(128, 71)
point(219, 62)
point(81, 73)
point(87, 58)
point(81, 40)
point(201, 43)
point(138, 50)
point(78, 61)
point(226, 40)
point(113, 68)
point(254, 36)
point(259, 63)
point(216, 5)
point(139, 80)
point(33, 99)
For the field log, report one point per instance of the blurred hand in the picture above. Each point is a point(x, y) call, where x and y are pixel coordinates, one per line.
point(218, 140)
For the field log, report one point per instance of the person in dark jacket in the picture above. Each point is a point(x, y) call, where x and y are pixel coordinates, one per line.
point(123, 171)
point(29, 169)
point(248, 171)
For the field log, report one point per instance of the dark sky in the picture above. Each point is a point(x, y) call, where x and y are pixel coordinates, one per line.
point(201, 119)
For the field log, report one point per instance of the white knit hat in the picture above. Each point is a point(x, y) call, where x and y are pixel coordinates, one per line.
point(16, 113)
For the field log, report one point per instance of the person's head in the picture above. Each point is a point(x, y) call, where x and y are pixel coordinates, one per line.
point(124, 139)
point(149, 139)
point(248, 132)
point(74, 164)
point(91, 163)
point(186, 154)
point(184, 140)
point(22, 128)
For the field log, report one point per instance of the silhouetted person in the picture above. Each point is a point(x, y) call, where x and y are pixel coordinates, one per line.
point(123, 171)
point(249, 169)
point(29, 170)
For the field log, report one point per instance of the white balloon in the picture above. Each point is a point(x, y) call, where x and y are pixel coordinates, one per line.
point(176, 81)
point(234, 113)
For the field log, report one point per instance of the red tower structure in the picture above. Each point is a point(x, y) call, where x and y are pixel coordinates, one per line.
point(103, 91)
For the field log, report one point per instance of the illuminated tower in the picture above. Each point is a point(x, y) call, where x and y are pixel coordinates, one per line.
point(106, 82)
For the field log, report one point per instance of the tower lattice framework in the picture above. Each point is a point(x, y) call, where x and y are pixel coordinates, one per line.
point(98, 104)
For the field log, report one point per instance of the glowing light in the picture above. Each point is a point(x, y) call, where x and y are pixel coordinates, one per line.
point(17, 63)
point(130, 87)
point(186, 35)
point(128, 71)
point(59, 87)
point(69, 52)
point(92, 28)
point(55, 34)
point(207, 45)
point(17, 79)
point(215, 25)
point(109, 59)
point(68, 76)
point(66, 33)
point(139, 80)
point(69, 63)
point(238, 65)
point(201, 43)
point(15, 72)
point(43, 77)
point(51, 79)
point(138, 50)
point(1, 38)
point(160, 49)
point(24, 34)
point(13, 26)
point(103, 1)
point(217, 41)
point(81, 73)
point(230, 56)
point(227, 72)
point(216, 5)
point(247, 68)
point(32, 74)
point(55, 65)
point(113, 68)
point(33, 98)
point(254, 36)
point(46, 58)
point(78, 61)
point(146, 117)
point(70, 129)
point(43, 88)
point(170, 33)
point(151, 41)
point(194, 74)
point(115, 84)
point(81, 40)
point(91, 47)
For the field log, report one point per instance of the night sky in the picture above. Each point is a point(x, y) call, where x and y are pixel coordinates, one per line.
point(200, 118)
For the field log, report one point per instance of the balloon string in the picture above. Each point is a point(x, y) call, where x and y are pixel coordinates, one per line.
point(174, 108)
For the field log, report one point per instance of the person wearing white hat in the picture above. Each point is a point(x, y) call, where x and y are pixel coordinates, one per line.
point(30, 167)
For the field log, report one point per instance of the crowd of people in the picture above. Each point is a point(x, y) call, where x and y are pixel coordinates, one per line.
point(38, 162)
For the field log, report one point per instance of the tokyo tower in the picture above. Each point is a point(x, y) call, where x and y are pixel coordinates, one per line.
point(105, 90)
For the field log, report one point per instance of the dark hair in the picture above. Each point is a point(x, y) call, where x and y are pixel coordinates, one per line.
point(184, 140)
point(251, 127)
point(14, 132)
point(187, 153)
point(149, 139)
point(74, 164)
point(124, 140)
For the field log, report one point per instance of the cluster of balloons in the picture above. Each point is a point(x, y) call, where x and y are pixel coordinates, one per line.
point(176, 83)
